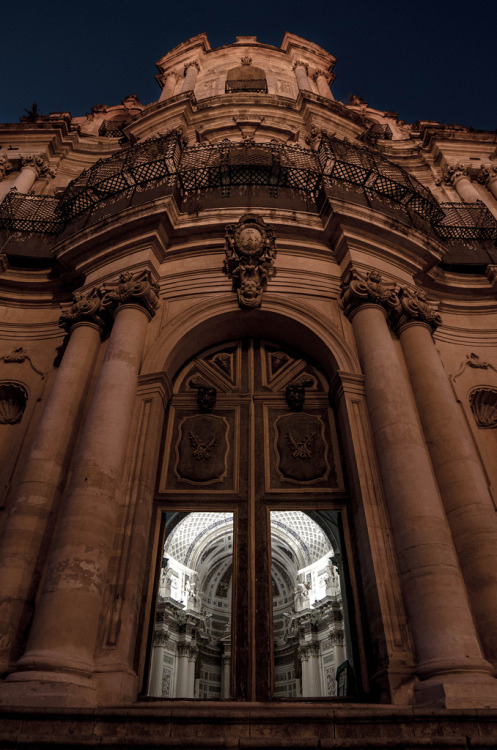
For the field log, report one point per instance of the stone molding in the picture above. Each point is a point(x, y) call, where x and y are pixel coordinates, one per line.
point(363, 289)
point(250, 253)
point(86, 308)
point(414, 307)
point(131, 289)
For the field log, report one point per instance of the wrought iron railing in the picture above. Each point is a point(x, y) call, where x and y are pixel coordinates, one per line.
point(226, 165)
point(157, 158)
point(358, 166)
point(466, 221)
point(257, 85)
point(340, 168)
point(33, 214)
point(112, 128)
point(377, 132)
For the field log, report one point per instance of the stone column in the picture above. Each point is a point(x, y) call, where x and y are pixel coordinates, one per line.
point(156, 665)
point(488, 177)
point(322, 79)
point(301, 70)
point(226, 669)
point(450, 664)
point(185, 683)
point(458, 178)
point(37, 495)
point(33, 167)
point(169, 79)
point(63, 636)
point(458, 470)
point(191, 72)
point(311, 678)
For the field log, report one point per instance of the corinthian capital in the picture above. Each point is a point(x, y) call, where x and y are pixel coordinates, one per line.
point(135, 289)
point(452, 172)
point(193, 64)
point(367, 289)
point(325, 74)
point(413, 306)
point(301, 64)
point(487, 174)
point(37, 162)
point(6, 166)
point(86, 308)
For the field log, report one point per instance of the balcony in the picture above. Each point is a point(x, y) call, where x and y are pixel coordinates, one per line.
point(254, 85)
point(30, 214)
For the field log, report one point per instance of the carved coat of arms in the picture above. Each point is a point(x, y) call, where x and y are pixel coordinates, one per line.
point(202, 448)
point(250, 253)
point(301, 448)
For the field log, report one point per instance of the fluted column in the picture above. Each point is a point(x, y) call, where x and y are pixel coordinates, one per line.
point(38, 492)
point(449, 657)
point(191, 72)
point(169, 79)
point(458, 470)
point(322, 80)
point(311, 677)
point(301, 70)
point(64, 632)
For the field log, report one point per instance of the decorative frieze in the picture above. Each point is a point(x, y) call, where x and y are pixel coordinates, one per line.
point(414, 306)
point(131, 289)
point(366, 289)
point(86, 308)
point(250, 253)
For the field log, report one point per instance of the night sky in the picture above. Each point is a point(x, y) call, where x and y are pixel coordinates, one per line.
point(425, 60)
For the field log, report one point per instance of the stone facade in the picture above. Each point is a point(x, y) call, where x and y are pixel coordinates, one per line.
point(247, 299)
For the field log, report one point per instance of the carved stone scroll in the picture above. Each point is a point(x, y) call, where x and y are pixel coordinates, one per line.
point(413, 305)
point(85, 308)
point(250, 253)
point(367, 289)
point(135, 289)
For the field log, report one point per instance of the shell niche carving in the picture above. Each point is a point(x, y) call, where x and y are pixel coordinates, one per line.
point(13, 400)
point(483, 402)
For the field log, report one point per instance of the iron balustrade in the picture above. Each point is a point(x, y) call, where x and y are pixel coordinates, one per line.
point(164, 161)
point(466, 221)
point(30, 214)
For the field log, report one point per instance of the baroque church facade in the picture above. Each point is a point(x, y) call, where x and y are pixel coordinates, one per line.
point(248, 416)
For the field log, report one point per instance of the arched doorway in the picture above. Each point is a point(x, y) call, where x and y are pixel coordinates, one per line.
point(252, 594)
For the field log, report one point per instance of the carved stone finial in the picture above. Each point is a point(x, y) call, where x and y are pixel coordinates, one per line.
point(246, 60)
point(414, 306)
point(85, 308)
point(367, 289)
point(250, 253)
point(295, 393)
point(206, 395)
point(132, 289)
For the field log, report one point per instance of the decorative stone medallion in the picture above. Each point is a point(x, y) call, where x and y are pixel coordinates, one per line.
point(250, 253)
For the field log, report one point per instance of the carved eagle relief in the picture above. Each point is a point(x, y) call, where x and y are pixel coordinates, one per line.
point(202, 448)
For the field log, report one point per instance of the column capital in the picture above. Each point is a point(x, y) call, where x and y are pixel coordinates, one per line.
point(414, 307)
point(192, 64)
point(302, 64)
point(170, 74)
point(366, 289)
point(326, 74)
point(487, 174)
point(38, 163)
point(86, 308)
point(131, 289)
point(6, 166)
point(453, 172)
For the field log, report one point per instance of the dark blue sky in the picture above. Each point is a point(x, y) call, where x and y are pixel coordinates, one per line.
point(426, 60)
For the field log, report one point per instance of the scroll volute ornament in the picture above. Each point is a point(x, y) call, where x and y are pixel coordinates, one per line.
point(250, 253)
point(413, 306)
point(369, 288)
point(86, 308)
point(132, 289)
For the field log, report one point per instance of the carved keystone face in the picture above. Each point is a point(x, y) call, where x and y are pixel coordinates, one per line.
point(249, 240)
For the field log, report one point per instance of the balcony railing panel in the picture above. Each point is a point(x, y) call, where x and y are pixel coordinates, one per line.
point(30, 214)
point(466, 221)
point(254, 85)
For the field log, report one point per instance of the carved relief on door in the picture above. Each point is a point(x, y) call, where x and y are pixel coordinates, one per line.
point(250, 404)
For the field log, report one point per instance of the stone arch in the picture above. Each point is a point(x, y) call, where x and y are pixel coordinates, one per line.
point(290, 323)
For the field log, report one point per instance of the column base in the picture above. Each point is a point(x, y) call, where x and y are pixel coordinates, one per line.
point(116, 686)
point(457, 691)
point(51, 689)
